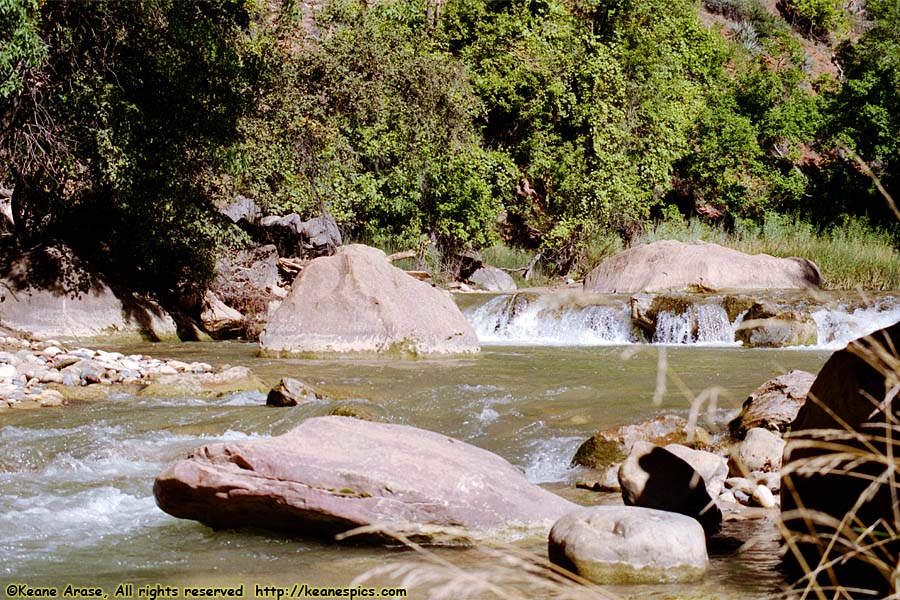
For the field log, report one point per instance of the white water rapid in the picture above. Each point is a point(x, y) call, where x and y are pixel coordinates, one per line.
point(566, 319)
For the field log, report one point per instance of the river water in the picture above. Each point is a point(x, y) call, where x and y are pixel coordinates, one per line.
point(76, 502)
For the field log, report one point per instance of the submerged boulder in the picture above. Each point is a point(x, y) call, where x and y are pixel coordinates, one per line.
point(669, 265)
point(839, 503)
point(629, 545)
point(50, 293)
point(226, 381)
point(356, 301)
point(774, 404)
point(332, 474)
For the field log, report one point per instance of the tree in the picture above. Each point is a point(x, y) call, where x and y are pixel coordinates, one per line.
point(133, 103)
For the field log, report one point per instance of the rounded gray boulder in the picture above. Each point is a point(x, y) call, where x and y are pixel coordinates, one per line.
point(629, 545)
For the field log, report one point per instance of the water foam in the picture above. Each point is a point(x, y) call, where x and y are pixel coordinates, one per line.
point(550, 321)
point(567, 320)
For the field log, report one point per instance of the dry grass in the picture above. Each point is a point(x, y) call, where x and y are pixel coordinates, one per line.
point(504, 572)
point(831, 551)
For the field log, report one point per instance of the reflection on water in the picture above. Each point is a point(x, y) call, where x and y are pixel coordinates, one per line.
point(75, 482)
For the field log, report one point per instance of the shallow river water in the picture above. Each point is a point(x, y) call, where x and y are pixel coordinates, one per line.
point(76, 502)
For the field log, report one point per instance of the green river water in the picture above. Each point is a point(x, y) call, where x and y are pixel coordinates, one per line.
point(76, 502)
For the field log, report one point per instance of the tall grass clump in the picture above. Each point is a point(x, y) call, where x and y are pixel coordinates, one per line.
point(851, 255)
point(840, 508)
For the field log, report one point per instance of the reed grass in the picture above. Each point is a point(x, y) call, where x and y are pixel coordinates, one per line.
point(850, 256)
point(505, 572)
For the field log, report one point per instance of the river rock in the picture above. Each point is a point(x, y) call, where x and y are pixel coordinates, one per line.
point(653, 477)
point(291, 392)
point(774, 404)
point(492, 279)
point(761, 450)
point(852, 405)
point(356, 301)
point(319, 236)
point(49, 292)
point(669, 265)
point(332, 474)
point(218, 319)
point(629, 545)
point(712, 467)
point(228, 381)
point(787, 329)
point(763, 497)
point(613, 445)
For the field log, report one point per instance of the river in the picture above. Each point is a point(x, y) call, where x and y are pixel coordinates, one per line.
point(76, 503)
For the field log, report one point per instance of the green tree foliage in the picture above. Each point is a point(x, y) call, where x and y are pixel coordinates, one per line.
point(21, 48)
point(816, 18)
point(563, 121)
point(864, 115)
point(759, 122)
point(127, 113)
point(376, 124)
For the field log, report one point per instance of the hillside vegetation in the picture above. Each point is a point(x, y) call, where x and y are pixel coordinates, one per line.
point(559, 127)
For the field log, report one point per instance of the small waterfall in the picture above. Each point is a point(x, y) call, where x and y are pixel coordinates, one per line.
point(838, 327)
point(551, 320)
point(567, 319)
point(700, 324)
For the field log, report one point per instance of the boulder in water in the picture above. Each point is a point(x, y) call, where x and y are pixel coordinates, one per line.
point(613, 445)
point(291, 392)
point(332, 474)
point(356, 301)
point(760, 450)
point(669, 265)
point(774, 404)
point(838, 504)
point(654, 477)
point(629, 545)
point(781, 331)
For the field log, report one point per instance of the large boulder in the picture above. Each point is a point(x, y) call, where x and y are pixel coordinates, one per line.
point(356, 301)
point(654, 477)
point(629, 545)
point(669, 265)
point(332, 474)
point(774, 404)
point(839, 501)
point(50, 293)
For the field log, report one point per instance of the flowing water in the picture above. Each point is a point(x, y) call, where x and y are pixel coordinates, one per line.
point(76, 502)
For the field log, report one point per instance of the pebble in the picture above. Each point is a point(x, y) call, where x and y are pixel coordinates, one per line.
point(25, 372)
point(763, 496)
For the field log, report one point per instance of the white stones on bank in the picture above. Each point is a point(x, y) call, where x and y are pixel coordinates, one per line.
point(34, 374)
